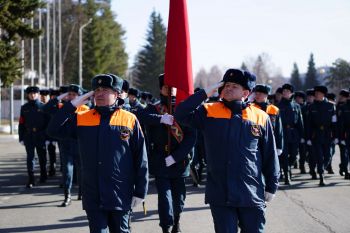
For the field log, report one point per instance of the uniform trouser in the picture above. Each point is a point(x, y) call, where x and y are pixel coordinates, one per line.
point(344, 158)
point(68, 161)
point(104, 221)
point(289, 155)
point(302, 153)
point(41, 151)
point(312, 162)
point(321, 153)
point(171, 199)
point(332, 153)
point(228, 219)
point(51, 148)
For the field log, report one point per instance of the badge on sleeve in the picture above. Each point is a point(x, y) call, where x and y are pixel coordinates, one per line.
point(256, 130)
point(125, 134)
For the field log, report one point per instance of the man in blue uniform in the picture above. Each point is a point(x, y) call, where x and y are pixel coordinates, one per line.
point(321, 130)
point(293, 129)
point(133, 96)
point(170, 166)
point(344, 154)
point(31, 130)
point(113, 154)
point(242, 160)
point(300, 98)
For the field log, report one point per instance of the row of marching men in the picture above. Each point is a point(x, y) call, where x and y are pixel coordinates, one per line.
point(310, 124)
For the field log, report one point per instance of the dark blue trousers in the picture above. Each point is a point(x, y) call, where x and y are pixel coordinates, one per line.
point(289, 155)
point(321, 153)
point(171, 199)
point(227, 219)
point(41, 151)
point(344, 158)
point(104, 221)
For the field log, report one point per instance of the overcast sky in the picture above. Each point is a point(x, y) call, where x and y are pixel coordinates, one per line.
point(227, 32)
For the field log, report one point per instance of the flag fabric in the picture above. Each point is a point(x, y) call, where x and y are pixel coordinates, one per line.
point(178, 61)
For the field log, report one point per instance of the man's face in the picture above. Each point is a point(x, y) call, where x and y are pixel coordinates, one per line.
point(260, 97)
point(165, 89)
point(319, 96)
point(233, 91)
point(342, 98)
point(278, 96)
point(44, 98)
point(123, 95)
point(310, 98)
point(286, 93)
point(299, 100)
point(132, 98)
point(71, 95)
point(33, 96)
point(105, 96)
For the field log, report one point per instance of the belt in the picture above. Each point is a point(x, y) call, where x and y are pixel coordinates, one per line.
point(34, 129)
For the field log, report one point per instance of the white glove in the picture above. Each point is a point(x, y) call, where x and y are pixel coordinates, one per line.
point(136, 201)
point(61, 97)
point(169, 160)
point(343, 142)
point(212, 89)
point(22, 143)
point(81, 100)
point(47, 143)
point(279, 152)
point(309, 143)
point(167, 119)
point(336, 141)
point(302, 140)
point(269, 196)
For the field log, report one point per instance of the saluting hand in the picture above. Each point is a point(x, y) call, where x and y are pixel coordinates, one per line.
point(81, 100)
point(212, 89)
point(167, 119)
point(62, 96)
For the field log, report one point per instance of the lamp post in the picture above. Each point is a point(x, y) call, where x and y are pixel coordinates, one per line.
point(81, 51)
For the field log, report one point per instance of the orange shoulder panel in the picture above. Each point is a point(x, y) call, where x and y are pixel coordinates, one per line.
point(272, 110)
point(123, 118)
point(255, 115)
point(255, 105)
point(82, 108)
point(88, 118)
point(217, 110)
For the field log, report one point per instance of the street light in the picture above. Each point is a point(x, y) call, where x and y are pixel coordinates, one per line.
point(81, 52)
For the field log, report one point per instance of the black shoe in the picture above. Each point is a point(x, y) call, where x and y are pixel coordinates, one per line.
point(347, 176)
point(29, 185)
point(330, 170)
point(287, 181)
point(302, 169)
point(322, 183)
point(313, 176)
point(176, 227)
point(52, 172)
point(166, 229)
point(67, 201)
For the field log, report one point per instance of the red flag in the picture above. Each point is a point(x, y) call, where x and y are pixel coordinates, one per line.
point(178, 62)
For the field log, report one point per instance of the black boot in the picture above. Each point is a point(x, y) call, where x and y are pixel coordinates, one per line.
point(286, 177)
point(52, 171)
point(67, 199)
point(166, 229)
point(31, 180)
point(347, 176)
point(313, 175)
point(43, 176)
point(79, 194)
point(330, 170)
point(302, 169)
point(176, 227)
point(322, 183)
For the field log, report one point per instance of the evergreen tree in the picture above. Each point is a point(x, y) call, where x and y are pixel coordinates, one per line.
point(311, 75)
point(14, 16)
point(339, 75)
point(104, 49)
point(244, 66)
point(295, 78)
point(149, 62)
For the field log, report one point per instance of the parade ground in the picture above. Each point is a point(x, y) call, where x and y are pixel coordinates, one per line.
point(302, 207)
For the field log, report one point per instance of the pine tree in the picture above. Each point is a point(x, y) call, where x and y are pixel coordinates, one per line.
point(149, 62)
point(14, 16)
point(104, 49)
point(295, 78)
point(244, 66)
point(339, 75)
point(311, 75)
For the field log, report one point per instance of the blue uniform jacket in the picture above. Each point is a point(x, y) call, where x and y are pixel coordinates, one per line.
point(32, 123)
point(242, 162)
point(292, 120)
point(113, 155)
point(344, 122)
point(321, 122)
point(276, 122)
point(157, 136)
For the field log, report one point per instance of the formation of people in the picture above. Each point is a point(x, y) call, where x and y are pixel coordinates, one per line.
point(114, 137)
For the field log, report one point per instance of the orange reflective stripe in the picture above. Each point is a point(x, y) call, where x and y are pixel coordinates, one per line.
point(272, 110)
point(88, 118)
point(123, 118)
point(82, 108)
point(217, 110)
point(255, 115)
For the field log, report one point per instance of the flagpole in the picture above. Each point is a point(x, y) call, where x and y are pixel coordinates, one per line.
point(170, 111)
